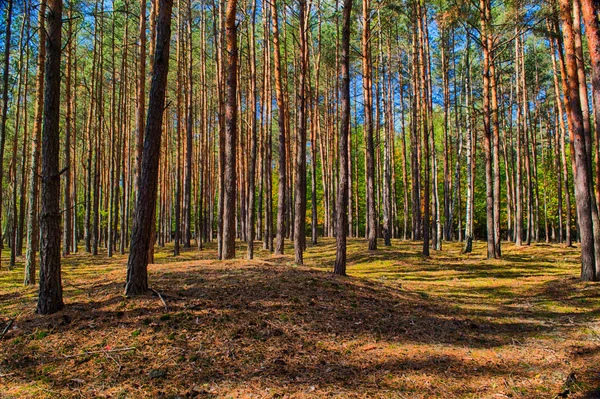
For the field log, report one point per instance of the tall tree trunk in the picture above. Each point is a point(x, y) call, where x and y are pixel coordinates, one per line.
point(50, 295)
point(342, 198)
point(591, 10)
point(495, 137)
point(187, 188)
point(372, 218)
point(4, 106)
point(32, 215)
point(590, 14)
point(141, 93)
point(253, 137)
point(300, 166)
point(518, 179)
point(179, 117)
point(468, 247)
point(230, 132)
point(281, 195)
point(137, 266)
point(67, 217)
point(15, 142)
point(487, 130)
point(581, 174)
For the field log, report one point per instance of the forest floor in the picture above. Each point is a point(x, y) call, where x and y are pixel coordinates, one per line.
point(400, 326)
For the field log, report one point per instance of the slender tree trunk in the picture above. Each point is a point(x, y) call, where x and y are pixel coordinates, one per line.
point(300, 166)
point(342, 199)
point(368, 123)
point(253, 137)
point(518, 182)
point(487, 130)
point(187, 188)
point(32, 216)
point(495, 138)
point(15, 142)
point(591, 10)
point(468, 247)
point(67, 219)
point(4, 106)
point(281, 201)
point(230, 132)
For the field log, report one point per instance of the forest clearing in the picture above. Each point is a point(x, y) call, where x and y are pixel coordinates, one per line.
point(400, 326)
point(299, 198)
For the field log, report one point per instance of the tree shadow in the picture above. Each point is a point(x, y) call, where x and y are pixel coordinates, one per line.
point(265, 324)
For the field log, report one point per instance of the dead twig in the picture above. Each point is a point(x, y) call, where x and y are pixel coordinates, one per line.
point(178, 352)
point(114, 360)
point(8, 326)
point(161, 299)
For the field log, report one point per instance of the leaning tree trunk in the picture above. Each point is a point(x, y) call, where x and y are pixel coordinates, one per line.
point(137, 266)
point(50, 295)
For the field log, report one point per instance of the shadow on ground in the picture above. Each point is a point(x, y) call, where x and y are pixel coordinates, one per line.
point(449, 326)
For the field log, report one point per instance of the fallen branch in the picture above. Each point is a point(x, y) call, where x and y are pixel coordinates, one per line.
point(100, 351)
point(161, 299)
point(8, 326)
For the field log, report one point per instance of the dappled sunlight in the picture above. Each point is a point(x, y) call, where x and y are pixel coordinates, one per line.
point(400, 325)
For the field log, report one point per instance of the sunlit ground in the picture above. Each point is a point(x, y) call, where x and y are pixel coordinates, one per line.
point(400, 326)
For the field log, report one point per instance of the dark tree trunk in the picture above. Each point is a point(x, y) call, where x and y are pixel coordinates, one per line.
point(281, 195)
point(342, 198)
point(4, 106)
point(300, 167)
point(137, 266)
point(50, 295)
point(230, 132)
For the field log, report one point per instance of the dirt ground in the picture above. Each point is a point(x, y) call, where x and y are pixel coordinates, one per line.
point(400, 326)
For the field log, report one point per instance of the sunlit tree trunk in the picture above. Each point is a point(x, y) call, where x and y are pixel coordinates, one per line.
point(581, 172)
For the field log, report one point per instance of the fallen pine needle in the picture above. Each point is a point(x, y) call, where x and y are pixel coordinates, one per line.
point(100, 351)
